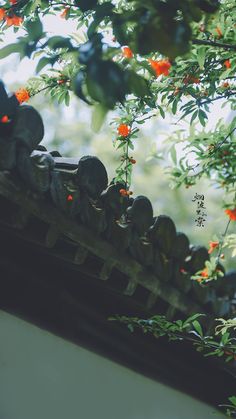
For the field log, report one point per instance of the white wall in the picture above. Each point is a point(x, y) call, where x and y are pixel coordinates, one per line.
point(45, 377)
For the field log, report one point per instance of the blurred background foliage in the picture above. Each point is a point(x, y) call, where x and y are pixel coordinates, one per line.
point(68, 130)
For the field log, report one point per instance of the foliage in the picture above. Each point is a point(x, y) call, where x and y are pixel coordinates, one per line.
point(221, 343)
point(197, 36)
point(225, 326)
point(230, 242)
point(231, 408)
point(212, 154)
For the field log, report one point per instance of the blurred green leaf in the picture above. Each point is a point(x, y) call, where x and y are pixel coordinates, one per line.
point(98, 117)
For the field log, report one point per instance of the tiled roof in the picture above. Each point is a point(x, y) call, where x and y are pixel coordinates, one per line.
point(74, 252)
point(74, 199)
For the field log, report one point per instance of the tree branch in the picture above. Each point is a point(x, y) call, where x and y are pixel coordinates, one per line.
point(213, 44)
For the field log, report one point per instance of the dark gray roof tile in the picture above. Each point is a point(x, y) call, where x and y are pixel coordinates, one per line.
point(92, 176)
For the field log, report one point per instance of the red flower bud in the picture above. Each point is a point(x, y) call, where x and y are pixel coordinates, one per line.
point(227, 63)
point(231, 214)
point(127, 52)
point(5, 119)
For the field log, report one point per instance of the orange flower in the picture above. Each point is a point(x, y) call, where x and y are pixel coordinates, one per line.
point(123, 130)
point(124, 192)
point(127, 52)
point(231, 214)
point(69, 198)
point(5, 119)
point(219, 32)
point(227, 63)
point(14, 20)
point(204, 273)
point(212, 246)
point(22, 95)
point(160, 67)
point(65, 12)
point(2, 14)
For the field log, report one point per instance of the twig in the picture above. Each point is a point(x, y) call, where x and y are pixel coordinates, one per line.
point(223, 141)
point(222, 242)
point(213, 44)
point(211, 153)
point(216, 98)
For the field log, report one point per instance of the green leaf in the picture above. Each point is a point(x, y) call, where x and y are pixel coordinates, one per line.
point(194, 116)
point(173, 154)
point(225, 74)
point(187, 105)
point(35, 29)
point(165, 35)
point(98, 117)
point(225, 338)
point(85, 5)
point(213, 353)
point(174, 106)
point(77, 86)
point(102, 10)
point(201, 54)
point(32, 5)
point(37, 53)
point(202, 117)
point(161, 111)
point(67, 98)
point(42, 63)
point(130, 327)
point(198, 327)
point(187, 112)
point(106, 82)
point(10, 49)
point(58, 42)
point(192, 318)
point(137, 84)
point(179, 323)
point(232, 399)
point(61, 97)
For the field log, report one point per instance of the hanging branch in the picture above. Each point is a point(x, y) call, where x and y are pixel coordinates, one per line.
point(213, 44)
